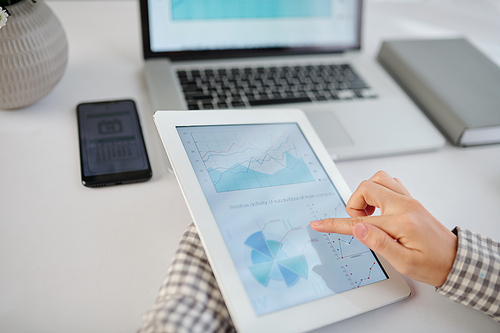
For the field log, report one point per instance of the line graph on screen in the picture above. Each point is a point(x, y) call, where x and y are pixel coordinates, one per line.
point(239, 160)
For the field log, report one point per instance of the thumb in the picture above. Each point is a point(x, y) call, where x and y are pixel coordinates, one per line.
point(379, 241)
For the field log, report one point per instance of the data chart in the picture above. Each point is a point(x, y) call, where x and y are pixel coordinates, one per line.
point(270, 261)
point(245, 9)
point(242, 160)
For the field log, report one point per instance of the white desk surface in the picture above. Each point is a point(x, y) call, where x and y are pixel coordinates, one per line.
point(74, 259)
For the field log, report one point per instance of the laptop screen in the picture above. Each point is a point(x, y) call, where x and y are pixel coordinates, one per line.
point(197, 29)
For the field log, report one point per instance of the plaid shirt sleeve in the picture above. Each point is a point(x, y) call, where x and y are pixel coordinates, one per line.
point(474, 279)
point(189, 299)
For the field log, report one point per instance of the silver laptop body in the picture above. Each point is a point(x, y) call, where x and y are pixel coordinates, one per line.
point(197, 41)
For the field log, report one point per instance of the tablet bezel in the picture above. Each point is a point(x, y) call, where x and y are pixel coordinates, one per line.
point(320, 312)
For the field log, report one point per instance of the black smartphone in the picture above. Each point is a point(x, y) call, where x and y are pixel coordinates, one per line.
point(112, 149)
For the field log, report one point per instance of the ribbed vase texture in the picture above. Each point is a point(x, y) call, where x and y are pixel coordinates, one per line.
point(33, 54)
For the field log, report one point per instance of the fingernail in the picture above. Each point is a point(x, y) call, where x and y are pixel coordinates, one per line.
point(360, 230)
point(316, 223)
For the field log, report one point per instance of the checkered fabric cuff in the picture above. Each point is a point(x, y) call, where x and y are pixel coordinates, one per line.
point(474, 279)
point(189, 299)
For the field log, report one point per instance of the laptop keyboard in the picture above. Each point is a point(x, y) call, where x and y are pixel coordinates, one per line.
point(221, 88)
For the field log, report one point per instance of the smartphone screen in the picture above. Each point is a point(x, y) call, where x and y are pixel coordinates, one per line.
point(112, 149)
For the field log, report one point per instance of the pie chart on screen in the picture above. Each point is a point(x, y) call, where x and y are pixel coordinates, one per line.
point(271, 262)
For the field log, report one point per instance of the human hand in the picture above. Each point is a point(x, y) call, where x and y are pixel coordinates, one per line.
point(405, 233)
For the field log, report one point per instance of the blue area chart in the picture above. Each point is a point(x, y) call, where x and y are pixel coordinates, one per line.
point(241, 177)
point(270, 262)
point(250, 164)
point(247, 9)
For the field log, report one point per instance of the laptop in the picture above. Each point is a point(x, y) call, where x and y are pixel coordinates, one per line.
point(240, 54)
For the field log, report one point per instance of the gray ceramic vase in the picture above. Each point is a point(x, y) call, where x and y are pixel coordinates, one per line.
point(33, 54)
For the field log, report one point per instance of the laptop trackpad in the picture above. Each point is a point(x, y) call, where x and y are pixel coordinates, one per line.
point(329, 129)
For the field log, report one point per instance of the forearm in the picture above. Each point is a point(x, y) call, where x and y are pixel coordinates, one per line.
point(474, 279)
point(189, 299)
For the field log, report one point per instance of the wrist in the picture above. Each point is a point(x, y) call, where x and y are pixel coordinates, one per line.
point(450, 255)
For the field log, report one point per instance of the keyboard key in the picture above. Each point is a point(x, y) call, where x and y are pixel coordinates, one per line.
point(198, 96)
point(280, 101)
point(356, 85)
point(359, 94)
point(237, 104)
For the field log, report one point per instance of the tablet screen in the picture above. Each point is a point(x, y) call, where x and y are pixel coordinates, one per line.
point(264, 185)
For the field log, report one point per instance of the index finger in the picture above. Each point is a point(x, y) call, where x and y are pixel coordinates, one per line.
point(344, 225)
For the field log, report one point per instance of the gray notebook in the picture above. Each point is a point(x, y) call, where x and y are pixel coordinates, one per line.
point(456, 85)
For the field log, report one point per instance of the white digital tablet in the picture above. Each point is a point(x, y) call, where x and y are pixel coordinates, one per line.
point(253, 181)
